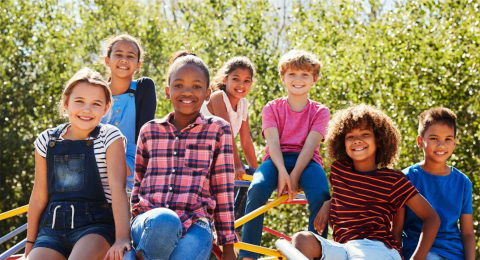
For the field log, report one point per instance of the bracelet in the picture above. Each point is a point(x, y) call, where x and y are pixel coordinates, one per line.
point(30, 242)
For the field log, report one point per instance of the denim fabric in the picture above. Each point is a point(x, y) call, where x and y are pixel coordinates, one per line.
point(158, 234)
point(363, 249)
point(56, 224)
point(241, 197)
point(123, 115)
point(76, 200)
point(435, 256)
point(313, 181)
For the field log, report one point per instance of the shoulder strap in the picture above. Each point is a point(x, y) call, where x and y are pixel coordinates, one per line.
point(58, 131)
point(95, 132)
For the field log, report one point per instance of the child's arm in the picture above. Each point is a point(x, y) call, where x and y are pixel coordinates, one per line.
point(273, 140)
point(221, 188)
point(147, 104)
point(431, 222)
point(38, 200)
point(321, 220)
point(468, 236)
point(117, 176)
point(313, 140)
point(247, 144)
point(397, 226)
point(220, 110)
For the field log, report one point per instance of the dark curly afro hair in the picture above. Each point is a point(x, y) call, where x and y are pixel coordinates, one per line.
point(386, 133)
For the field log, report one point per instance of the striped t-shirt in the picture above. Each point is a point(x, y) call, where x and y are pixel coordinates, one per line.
point(108, 134)
point(364, 205)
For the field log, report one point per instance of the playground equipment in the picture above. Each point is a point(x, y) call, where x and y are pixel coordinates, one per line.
point(285, 248)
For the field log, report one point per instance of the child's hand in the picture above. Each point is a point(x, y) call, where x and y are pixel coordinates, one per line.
point(117, 250)
point(322, 217)
point(284, 185)
point(239, 171)
point(228, 252)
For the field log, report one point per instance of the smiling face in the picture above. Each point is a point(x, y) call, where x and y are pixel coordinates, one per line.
point(437, 143)
point(361, 147)
point(238, 83)
point(298, 82)
point(187, 91)
point(123, 60)
point(85, 107)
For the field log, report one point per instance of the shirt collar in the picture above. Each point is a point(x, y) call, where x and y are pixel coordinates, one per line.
point(200, 120)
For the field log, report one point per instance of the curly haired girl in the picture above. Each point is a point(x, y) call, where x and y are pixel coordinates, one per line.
point(364, 141)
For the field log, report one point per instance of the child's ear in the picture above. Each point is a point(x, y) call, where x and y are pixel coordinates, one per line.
point(224, 80)
point(315, 79)
point(107, 107)
point(107, 61)
point(420, 142)
point(167, 92)
point(207, 97)
point(139, 65)
point(282, 77)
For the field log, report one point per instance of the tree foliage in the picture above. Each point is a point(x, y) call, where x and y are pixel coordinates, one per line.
point(403, 59)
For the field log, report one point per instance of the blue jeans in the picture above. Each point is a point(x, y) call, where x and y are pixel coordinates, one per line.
point(241, 197)
point(158, 234)
point(313, 181)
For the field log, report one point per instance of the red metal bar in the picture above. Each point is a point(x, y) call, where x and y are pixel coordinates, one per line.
point(276, 233)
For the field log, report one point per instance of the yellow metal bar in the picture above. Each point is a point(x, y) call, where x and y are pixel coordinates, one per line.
point(14, 212)
point(268, 258)
point(239, 222)
point(258, 249)
point(247, 177)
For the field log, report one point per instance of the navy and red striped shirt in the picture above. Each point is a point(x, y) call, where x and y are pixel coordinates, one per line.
point(364, 205)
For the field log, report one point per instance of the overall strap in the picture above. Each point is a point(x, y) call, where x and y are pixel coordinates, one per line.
point(58, 131)
point(96, 132)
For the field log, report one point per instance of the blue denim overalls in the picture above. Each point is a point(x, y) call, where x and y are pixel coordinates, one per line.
point(123, 114)
point(76, 200)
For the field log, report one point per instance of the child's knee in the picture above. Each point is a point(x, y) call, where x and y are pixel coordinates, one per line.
point(258, 191)
point(162, 217)
point(302, 239)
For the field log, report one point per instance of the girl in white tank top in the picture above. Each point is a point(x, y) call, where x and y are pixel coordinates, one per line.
point(230, 86)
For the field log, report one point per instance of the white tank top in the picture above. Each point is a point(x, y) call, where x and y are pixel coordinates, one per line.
point(236, 117)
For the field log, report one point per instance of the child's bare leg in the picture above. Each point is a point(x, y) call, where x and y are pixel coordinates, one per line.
point(45, 253)
point(306, 243)
point(91, 246)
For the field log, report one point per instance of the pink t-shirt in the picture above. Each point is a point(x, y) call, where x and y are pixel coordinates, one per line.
point(294, 127)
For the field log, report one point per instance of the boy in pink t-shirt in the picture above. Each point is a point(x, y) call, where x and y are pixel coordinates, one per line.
point(293, 126)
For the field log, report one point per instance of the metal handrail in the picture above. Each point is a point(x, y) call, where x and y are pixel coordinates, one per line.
point(14, 212)
point(13, 249)
point(13, 233)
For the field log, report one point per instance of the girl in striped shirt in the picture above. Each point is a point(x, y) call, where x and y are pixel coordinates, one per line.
point(79, 207)
point(366, 196)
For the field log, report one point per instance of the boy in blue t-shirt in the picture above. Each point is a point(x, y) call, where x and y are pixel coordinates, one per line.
point(447, 189)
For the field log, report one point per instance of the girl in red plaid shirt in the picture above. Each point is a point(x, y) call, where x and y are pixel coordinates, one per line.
point(184, 173)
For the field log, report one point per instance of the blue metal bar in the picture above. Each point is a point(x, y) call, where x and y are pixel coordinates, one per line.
point(13, 233)
point(13, 250)
point(288, 250)
point(242, 183)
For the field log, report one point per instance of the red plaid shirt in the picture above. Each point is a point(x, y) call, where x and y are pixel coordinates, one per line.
point(190, 172)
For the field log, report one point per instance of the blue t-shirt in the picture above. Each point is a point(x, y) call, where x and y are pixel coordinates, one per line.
point(450, 196)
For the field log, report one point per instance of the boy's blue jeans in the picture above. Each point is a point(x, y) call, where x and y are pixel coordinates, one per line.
point(313, 181)
point(158, 234)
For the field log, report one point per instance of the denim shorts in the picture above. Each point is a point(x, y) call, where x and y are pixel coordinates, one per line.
point(357, 249)
point(62, 224)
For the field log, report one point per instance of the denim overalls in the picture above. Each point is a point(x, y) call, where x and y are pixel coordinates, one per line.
point(76, 200)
